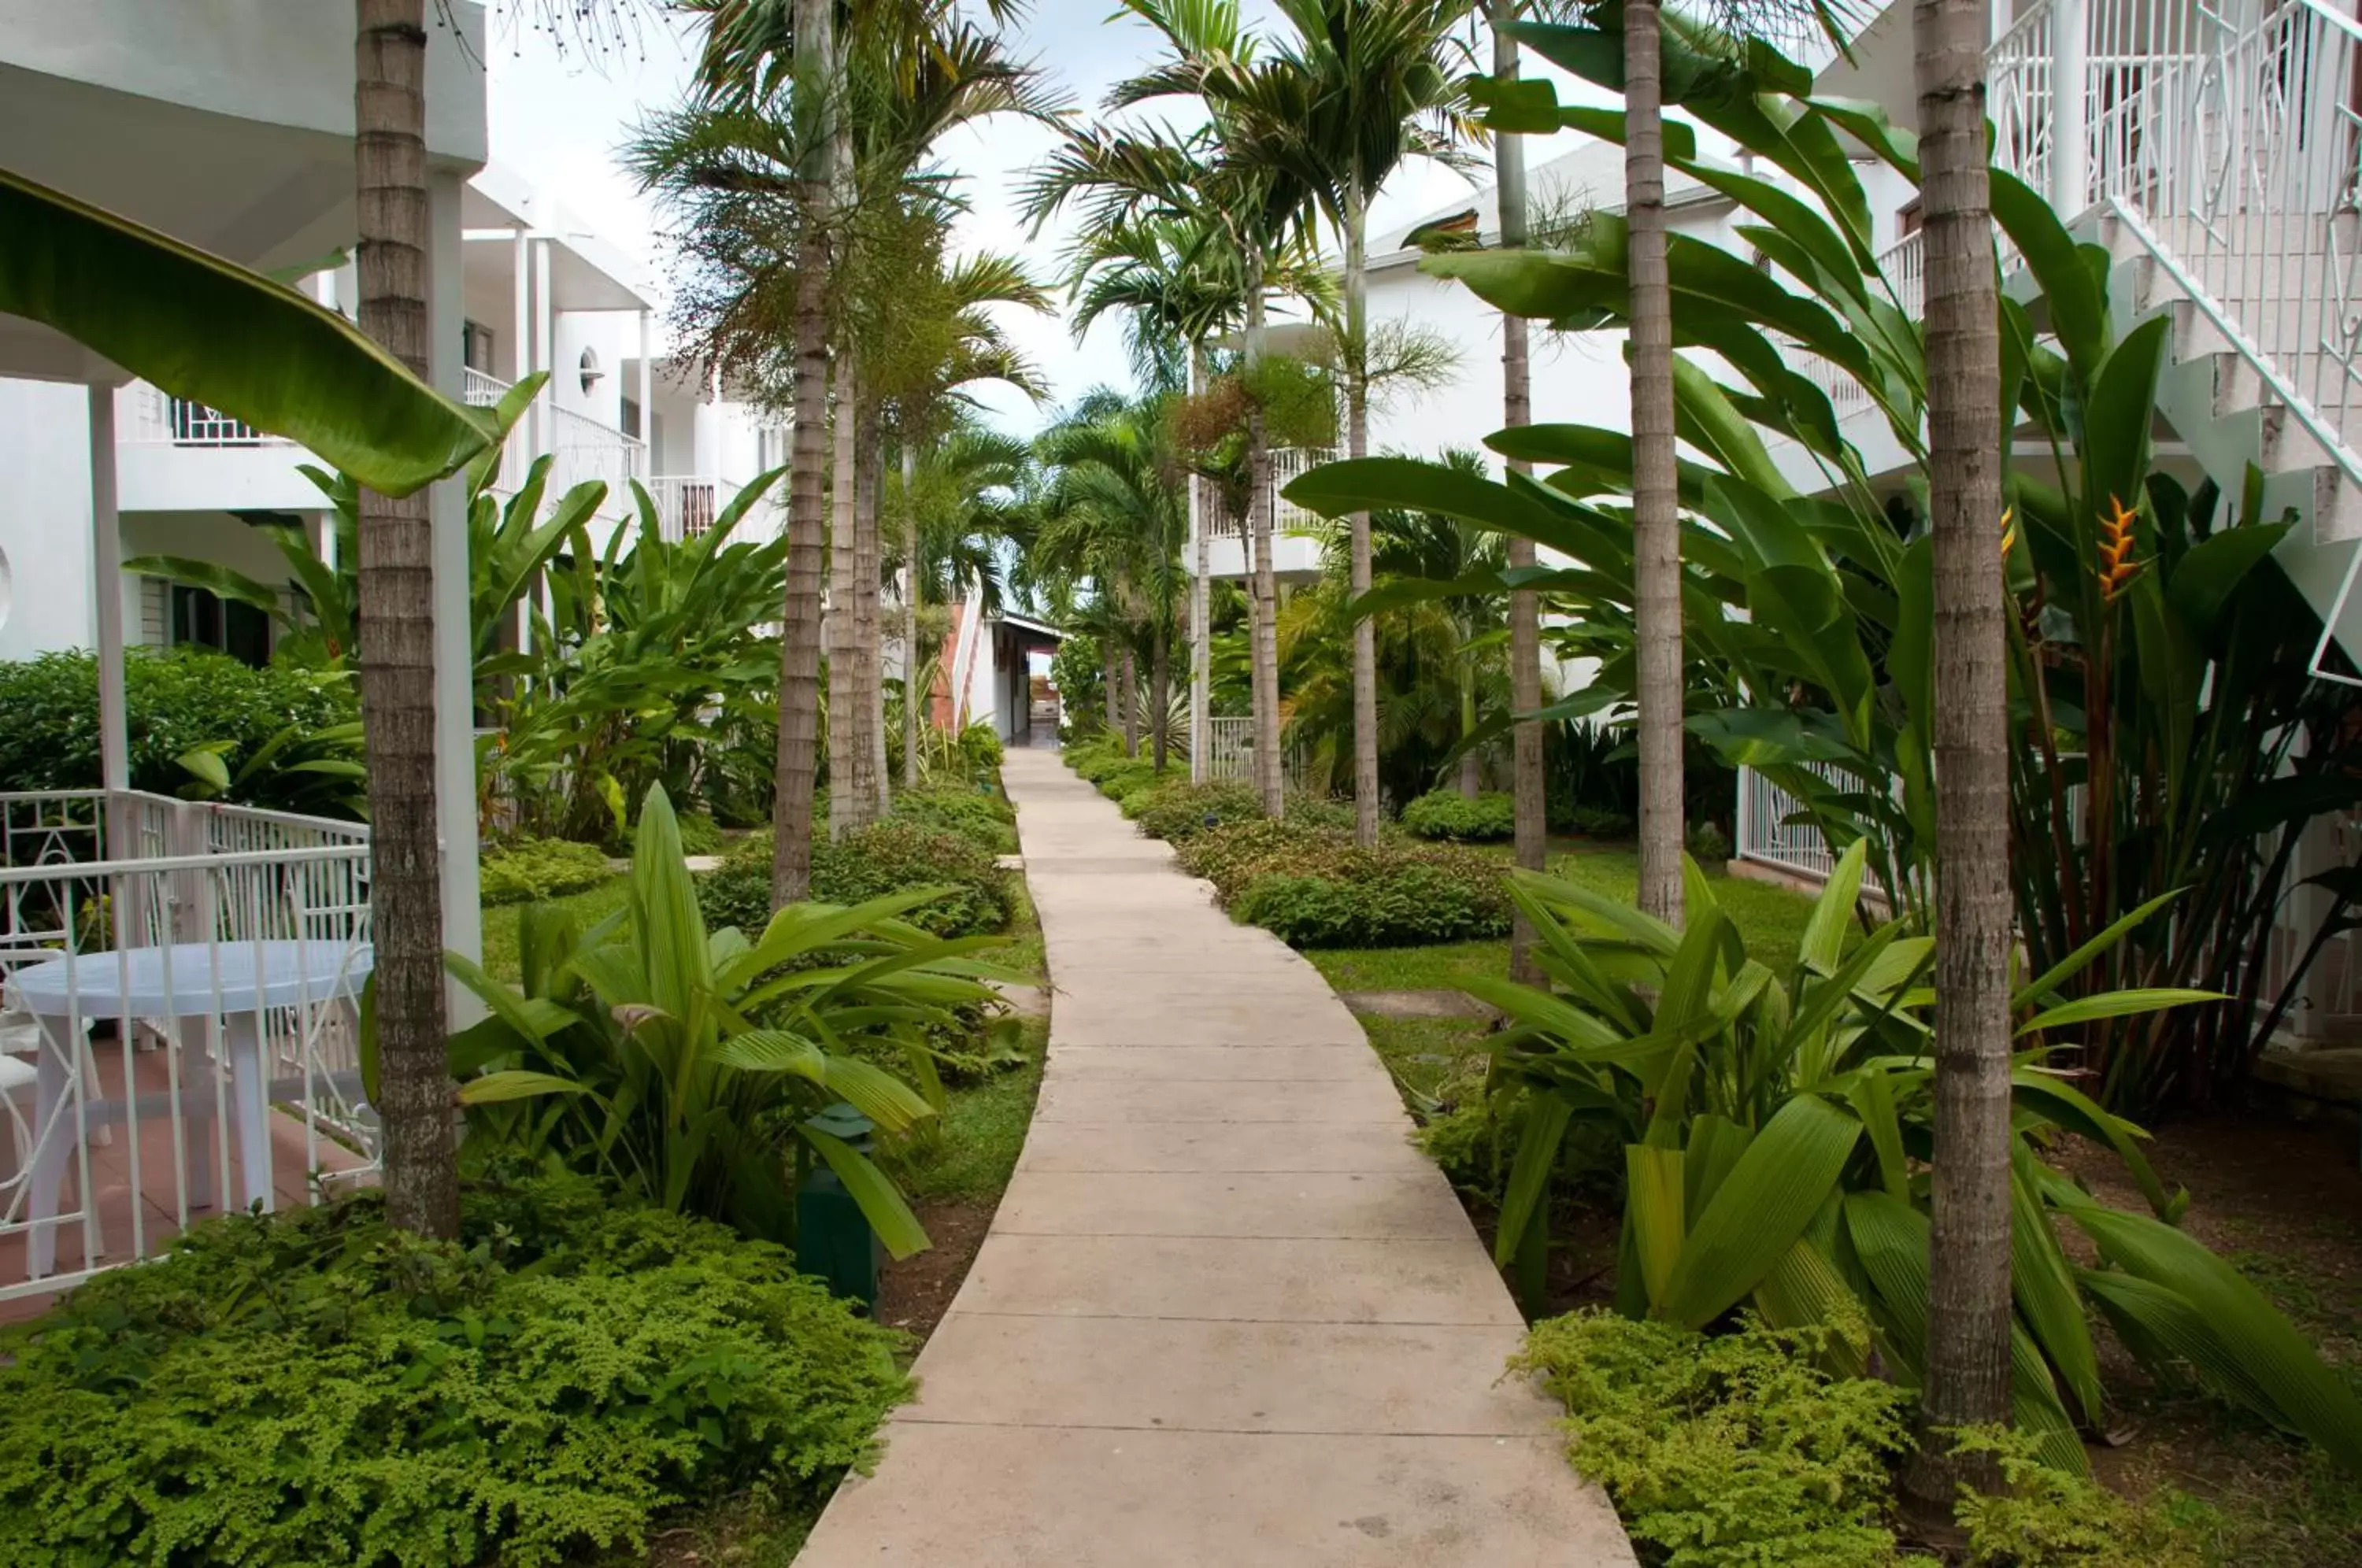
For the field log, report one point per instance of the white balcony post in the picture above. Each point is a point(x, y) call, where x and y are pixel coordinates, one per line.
point(455, 716)
point(520, 351)
point(2071, 107)
point(647, 430)
point(106, 584)
point(545, 357)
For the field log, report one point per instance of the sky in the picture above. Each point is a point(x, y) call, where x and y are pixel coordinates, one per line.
point(557, 118)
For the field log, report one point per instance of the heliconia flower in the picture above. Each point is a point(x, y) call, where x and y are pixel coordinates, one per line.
point(2008, 531)
point(2116, 565)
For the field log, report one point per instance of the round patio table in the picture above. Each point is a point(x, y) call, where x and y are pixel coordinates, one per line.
point(235, 982)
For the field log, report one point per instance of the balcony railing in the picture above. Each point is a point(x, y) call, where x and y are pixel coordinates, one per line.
point(177, 1020)
point(1288, 465)
point(147, 415)
point(482, 389)
point(686, 504)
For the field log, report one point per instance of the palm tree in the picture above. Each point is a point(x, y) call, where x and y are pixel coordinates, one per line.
point(1967, 1381)
point(1410, 547)
point(1525, 781)
point(397, 625)
point(1114, 509)
point(1656, 510)
point(1226, 181)
point(1378, 79)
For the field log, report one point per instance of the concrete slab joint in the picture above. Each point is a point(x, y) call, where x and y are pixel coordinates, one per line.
point(1227, 1316)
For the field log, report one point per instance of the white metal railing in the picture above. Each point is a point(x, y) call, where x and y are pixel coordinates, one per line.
point(188, 973)
point(1287, 464)
point(1230, 751)
point(686, 504)
point(581, 449)
point(147, 415)
point(2230, 136)
point(1772, 832)
point(482, 389)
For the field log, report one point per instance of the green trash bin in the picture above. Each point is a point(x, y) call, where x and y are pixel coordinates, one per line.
point(833, 1241)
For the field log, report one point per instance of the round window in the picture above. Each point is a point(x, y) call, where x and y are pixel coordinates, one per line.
point(590, 371)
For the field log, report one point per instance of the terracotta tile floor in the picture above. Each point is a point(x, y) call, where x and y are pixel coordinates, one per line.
point(155, 1201)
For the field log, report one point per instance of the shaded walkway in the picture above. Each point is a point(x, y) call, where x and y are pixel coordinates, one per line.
point(1227, 1317)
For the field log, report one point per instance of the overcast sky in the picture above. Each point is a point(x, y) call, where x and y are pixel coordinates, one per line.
point(557, 120)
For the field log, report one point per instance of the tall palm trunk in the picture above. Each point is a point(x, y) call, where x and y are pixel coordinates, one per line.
point(911, 696)
point(1128, 672)
point(845, 801)
point(866, 747)
point(1968, 1296)
point(807, 500)
point(1656, 510)
point(1201, 726)
point(1265, 654)
point(1357, 444)
point(397, 637)
point(1110, 688)
point(1525, 611)
point(1160, 689)
point(1471, 762)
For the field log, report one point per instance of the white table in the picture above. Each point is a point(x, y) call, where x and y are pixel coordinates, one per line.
point(194, 983)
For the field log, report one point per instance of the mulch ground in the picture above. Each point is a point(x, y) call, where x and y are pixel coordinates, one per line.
point(914, 1294)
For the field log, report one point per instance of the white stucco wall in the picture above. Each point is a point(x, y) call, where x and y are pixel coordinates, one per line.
point(46, 603)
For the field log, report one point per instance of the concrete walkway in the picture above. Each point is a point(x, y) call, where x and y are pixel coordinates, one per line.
point(1227, 1316)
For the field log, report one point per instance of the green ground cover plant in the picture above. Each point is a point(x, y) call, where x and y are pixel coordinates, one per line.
point(530, 870)
point(980, 815)
point(310, 1386)
point(1312, 887)
point(895, 856)
point(1463, 819)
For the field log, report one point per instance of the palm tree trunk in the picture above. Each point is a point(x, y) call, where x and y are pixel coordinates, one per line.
point(1968, 1296)
point(1263, 661)
point(866, 747)
point(1357, 444)
point(1525, 611)
point(1110, 688)
point(1201, 695)
point(911, 696)
point(846, 798)
point(1471, 762)
point(1160, 690)
point(1656, 509)
point(1127, 672)
point(798, 763)
point(397, 629)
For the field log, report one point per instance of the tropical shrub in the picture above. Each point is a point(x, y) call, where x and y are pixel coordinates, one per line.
point(1777, 1127)
point(312, 1387)
point(527, 870)
point(683, 1067)
point(1312, 887)
point(1602, 822)
point(2174, 735)
point(1708, 842)
point(1076, 671)
point(201, 723)
point(895, 856)
point(1178, 809)
point(1737, 1450)
point(984, 817)
point(1102, 762)
point(1463, 819)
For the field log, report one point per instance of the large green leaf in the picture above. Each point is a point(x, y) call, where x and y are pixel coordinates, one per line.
point(1762, 1205)
point(2247, 1349)
point(208, 330)
point(879, 1199)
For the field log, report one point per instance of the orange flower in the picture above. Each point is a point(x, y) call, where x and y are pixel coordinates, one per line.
point(2116, 565)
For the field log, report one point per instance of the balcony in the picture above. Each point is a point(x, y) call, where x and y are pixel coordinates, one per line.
point(174, 455)
point(1296, 545)
point(178, 984)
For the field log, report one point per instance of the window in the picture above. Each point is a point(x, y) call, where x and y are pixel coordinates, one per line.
point(201, 618)
point(631, 424)
point(477, 344)
point(770, 448)
point(590, 371)
point(1906, 221)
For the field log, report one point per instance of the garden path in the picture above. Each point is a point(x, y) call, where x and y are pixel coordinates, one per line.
point(1226, 1317)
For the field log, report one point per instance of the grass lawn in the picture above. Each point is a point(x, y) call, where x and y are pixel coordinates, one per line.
point(974, 1150)
point(1769, 919)
point(1021, 948)
point(589, 907)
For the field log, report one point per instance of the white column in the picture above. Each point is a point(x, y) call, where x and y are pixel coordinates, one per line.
point(2070, 124)
point(454, 719)
point(545, 357)
point(521, 350)
point(648, 429)
point(107, 582)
